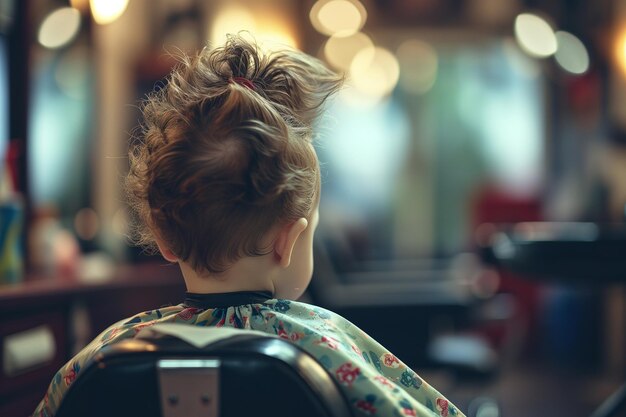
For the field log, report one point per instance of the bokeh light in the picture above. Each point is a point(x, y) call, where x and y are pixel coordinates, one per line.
point(418, 66)
point(80, 5)
point(120, 222)
point(274, 32)
point(374, 72)
point(620, 50)
point(59, 28)
point(86, 223)
point(338, 17)
point(571, 54)
point(341, 50)
point(231, 19)
point(535, 35)
point(107, 11)
point(268, 29)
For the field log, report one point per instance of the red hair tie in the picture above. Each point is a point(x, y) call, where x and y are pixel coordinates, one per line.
point(243, 81)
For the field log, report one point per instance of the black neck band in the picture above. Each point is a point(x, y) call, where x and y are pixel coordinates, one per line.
point(226, 299)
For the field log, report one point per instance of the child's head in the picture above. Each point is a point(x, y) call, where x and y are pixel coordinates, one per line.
point(225, 154)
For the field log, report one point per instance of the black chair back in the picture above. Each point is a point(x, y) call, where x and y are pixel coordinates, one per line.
point(245, 375)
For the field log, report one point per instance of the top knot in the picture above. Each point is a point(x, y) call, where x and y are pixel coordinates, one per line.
point(243, 81)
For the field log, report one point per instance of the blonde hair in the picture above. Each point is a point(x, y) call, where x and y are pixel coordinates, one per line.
point(225, 152)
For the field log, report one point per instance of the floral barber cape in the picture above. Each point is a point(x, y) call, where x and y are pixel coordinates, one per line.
point(373, 380)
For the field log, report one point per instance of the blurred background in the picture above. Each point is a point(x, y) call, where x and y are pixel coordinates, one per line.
point(461, 122)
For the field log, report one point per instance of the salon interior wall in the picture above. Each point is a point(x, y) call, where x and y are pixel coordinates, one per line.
point(116, 47)
point(615, 168)
point(614, 172)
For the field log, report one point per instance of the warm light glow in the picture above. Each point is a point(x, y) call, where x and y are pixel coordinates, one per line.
point(120, 222)
point(81, 5)
point(274, 33)
point(230, 20)
point(59, 28)
point(340, 51)
point(418, 66)
point(338, 17)
point(374, 72)
point(267, 29)
point(571, 54)
point(620, 50)
point(107, 11)
point(535, 35)
point(276, 40)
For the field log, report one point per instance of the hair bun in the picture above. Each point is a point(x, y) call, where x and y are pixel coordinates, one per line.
point(225, 152)
point(295, 83)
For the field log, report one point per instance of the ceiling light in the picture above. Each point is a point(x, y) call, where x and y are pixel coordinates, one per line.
point(374, 72)
point(571, 54)
point(535, 35)
point(338, 17)
point(340, 51)
point(107, 11)
point(59, 28)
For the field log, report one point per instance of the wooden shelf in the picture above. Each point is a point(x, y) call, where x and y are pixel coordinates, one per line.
point(53, 302)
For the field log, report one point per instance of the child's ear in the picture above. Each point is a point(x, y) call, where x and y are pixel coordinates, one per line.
point(286, 241)
point(165, 251)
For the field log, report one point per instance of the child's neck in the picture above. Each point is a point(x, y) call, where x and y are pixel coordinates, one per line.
point(247, 274)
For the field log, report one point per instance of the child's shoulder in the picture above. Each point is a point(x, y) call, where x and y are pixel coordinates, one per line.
point(304, 310)
point(298, 307)
point(130, 326)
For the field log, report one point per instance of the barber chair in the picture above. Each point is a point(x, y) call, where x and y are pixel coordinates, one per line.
point(582, 254)
point(246, 373)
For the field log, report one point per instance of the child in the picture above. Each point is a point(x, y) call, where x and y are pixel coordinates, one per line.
point(226, 183)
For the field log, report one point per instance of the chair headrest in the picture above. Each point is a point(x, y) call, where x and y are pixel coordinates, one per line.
point(197, 336)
